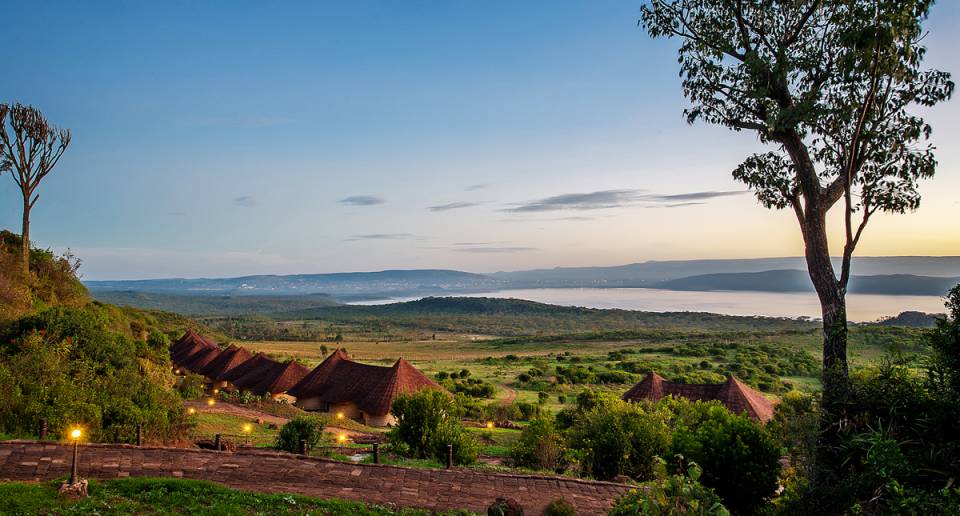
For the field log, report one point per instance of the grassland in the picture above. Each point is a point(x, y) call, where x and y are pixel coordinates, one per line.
point(175, 496)
point(544, 354)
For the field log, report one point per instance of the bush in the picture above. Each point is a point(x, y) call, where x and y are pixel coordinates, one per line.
point(540, 446)
point(505, 507)
point(672, 495)
point(70, 366)
point(559, 507)
point(426, 423)
point(740, 460)
point(190, 386)
point(528, 410)
point(299, 429)
point(620, 438)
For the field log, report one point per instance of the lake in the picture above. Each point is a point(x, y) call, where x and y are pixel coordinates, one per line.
point(860, 307)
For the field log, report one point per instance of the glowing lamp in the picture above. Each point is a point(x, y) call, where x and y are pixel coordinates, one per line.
point(211, 402)
point(490, 424)
point(247, 428)
point(342, 438)
point(191, 411)
point(339, 415)
point(75, 434)
point(216, 391)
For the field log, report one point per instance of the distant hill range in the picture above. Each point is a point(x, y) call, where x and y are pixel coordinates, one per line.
point(654, 273)
point(798, 281)
point(343, 285)
point(907, 275)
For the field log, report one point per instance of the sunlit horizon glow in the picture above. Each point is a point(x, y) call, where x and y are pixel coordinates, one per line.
point(217, 141)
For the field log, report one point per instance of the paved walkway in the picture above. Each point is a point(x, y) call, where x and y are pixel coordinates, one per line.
point(274, 472)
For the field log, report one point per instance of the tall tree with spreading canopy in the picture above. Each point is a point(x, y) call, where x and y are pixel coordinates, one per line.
point(31, 147)
point(830, 85)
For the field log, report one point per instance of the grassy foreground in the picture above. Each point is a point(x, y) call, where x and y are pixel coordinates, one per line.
point(175, 496)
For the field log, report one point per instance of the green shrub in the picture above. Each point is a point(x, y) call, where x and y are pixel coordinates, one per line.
point(740, 460)
point(303, 428)
point(540, 446)
point(559, 507)
point(426, 423)
point(619, 438)
point(77, 366)
point(190, 386)
point(673, 495)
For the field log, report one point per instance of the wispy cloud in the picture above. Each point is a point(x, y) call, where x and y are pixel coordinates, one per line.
point(454, 206)
point(362, 200)
point(479, 186)
point(682, 204)
point(382, 236)
point(485, 250)
point(579, 201)
point(695, 196)
point(607, 199)
point(245, 201)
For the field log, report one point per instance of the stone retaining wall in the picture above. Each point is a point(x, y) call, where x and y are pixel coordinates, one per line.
point(275, 472)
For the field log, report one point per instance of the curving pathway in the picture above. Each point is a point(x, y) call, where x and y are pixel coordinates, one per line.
point(275, 472)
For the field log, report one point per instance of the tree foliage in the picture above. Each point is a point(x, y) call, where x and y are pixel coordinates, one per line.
point(30, 147)
point(83, 366)
point(614, 437)
point(680, 494)
point(541, 446)
point(426, 423)
point(301, 428)
point(740, 459)
point(832, 88)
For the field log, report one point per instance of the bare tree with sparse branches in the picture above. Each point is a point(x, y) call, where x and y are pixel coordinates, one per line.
point(29, 149)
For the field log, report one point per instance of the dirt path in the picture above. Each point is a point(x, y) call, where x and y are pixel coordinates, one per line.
point(511, 394)
point(274, 472)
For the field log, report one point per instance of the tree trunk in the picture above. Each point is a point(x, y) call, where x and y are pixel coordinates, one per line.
point(25, 237)
point(833, 308)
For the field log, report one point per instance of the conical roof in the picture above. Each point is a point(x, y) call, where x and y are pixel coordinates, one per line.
point(257, 361)
point(338, 379)
point(650, 388)
point(276, 379)
point(190, 344)
point(402, 378)
point(198, 360)
point(315, 380)
point(229, 358)
point(738, 397)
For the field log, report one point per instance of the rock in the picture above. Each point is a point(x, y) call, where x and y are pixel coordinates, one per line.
point(77, 490)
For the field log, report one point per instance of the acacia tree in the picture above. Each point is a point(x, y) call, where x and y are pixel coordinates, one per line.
point(29, 149)
point(829, 85)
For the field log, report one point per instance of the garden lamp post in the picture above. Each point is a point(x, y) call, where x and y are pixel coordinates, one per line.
point(75, 435)
point(247, 430)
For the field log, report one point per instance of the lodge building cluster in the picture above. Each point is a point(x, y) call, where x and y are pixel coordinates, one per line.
point(340, 385)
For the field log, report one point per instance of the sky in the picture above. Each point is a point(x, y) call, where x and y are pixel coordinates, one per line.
point(230, 138)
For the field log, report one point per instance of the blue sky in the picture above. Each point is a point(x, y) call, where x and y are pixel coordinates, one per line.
point(228, 138)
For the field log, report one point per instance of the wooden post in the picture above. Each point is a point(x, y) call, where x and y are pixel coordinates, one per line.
point(217, 443)
point(449, 456)
point(376, 453)
point(139, 434)
point(73, 468)
point(43, 429)
point(303, 446)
